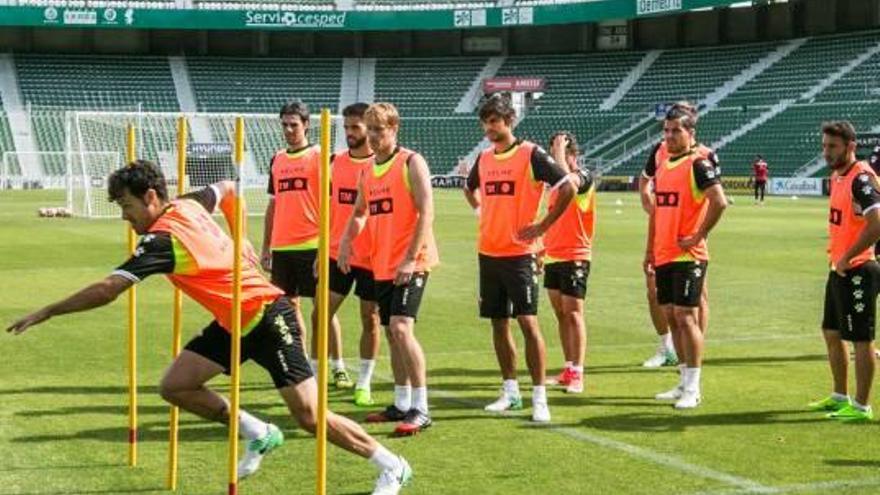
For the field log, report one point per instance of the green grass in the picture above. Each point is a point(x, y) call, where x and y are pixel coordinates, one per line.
point(63, 387)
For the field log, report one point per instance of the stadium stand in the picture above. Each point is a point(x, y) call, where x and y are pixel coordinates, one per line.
point(108, 83)
point(263, 85)
point(428, 91)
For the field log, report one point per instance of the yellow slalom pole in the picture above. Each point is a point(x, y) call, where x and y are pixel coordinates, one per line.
point(171, 480)
point(234, 364)
point(132, 326)
point(323, 303)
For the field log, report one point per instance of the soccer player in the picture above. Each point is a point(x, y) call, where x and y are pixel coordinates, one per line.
point(396, 205)
point(854, 278)
point(181, 240)
point(348, 166)
point(290, 238)
point(568, 251)
point(667, 354)
point(505, 188)
point(689, 201)
point(762, 171)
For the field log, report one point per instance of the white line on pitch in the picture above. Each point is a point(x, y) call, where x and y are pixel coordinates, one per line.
point(750, 486)
point(818, 486)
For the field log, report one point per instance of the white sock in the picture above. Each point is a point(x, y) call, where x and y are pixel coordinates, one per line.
point(839, 397)
point(568, 364)
point(313, 363)
point(539, 394)
point(692, 379)
point(578, 369)
point(366, 374)
point(337, 364)
point(403, 397)
point(666, 342)
point(250, 427)
point(860, 406)
point(511, 388)
point(384, 460)
point(420, 399)
point(681, 369)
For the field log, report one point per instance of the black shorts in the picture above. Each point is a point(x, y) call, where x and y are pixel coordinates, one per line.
point(681, 282)
point(568, 277)
point(294, 272)
point(275, 343)
point(508, 286)
point(400, 300)
point(341, 283)
point(851, 302)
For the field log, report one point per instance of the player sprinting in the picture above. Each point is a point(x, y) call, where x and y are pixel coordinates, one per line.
point(505, 186)
point(689, 201)
point(567, 260)
point(347, 167)
point(181, 240)
point(395, 203)
point(290, 238)
point(854, 278)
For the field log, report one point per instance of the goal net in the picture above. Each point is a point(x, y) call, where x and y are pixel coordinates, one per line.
point(210, 137)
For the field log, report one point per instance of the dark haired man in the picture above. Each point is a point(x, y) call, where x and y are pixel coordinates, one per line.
point(181, 240)
point(688, 202)
point(290, 237)
point(505, 186)
point(854, 278)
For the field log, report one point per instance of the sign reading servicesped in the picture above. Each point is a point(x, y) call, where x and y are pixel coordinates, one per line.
point(803, 186)
point(516, 84)
point(305, 20)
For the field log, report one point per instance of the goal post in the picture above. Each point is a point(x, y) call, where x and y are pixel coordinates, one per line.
point(209, 158)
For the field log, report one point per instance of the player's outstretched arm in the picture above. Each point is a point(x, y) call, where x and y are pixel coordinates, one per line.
point(353, 227)
point(93, 296)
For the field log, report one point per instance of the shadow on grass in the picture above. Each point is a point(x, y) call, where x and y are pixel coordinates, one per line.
point(96, 491)
point(681, 421)
point(853, 463)
point(116, 390)
point(194, 430)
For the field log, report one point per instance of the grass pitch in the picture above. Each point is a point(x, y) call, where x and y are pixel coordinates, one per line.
point(63, 395)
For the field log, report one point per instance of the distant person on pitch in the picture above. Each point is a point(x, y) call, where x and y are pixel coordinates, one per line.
point(762, 173)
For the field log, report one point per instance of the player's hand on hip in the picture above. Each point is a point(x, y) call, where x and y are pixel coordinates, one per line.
point(405, 272)
point(689, 241)
point(842, 266)
point(28, 321)
point(530, 232)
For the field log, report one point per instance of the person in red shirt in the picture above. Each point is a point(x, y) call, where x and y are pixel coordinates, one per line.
point(181, 240)
point(568, 251)
point(290, 236)
point(689, 201)
point(762, 173)
point(854, 278)
point(347, 168)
